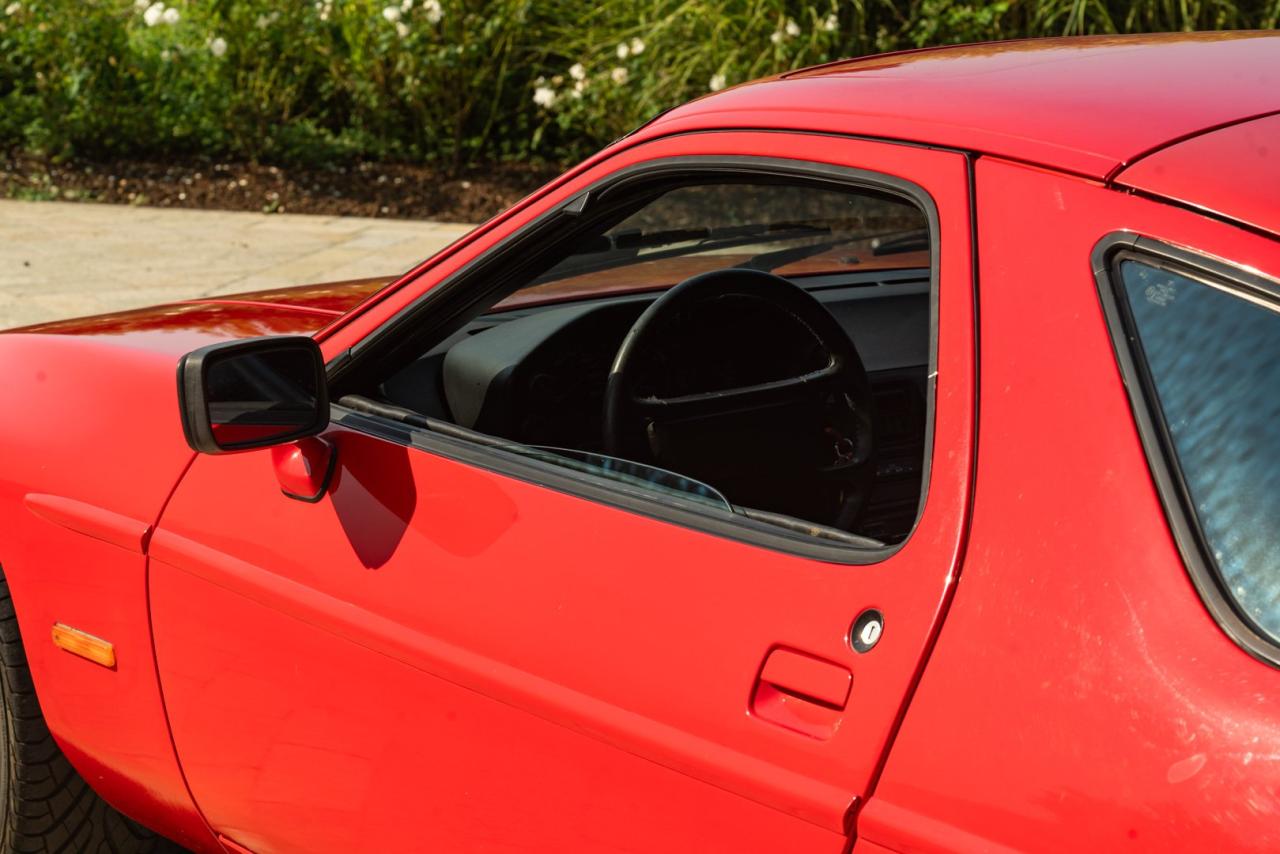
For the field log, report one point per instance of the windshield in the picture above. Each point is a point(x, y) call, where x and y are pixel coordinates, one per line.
point(789, 230)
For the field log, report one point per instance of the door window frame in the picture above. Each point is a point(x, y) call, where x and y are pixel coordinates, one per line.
point(478, 284)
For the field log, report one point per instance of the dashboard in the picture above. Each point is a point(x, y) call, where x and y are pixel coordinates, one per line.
point(537, 375)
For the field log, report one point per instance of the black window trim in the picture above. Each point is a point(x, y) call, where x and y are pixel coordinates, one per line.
point(448, 303)
point(1157, 442)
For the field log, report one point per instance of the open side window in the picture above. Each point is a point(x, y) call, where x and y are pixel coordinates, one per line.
point(791, 393)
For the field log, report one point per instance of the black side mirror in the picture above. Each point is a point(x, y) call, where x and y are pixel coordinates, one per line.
point(239, 395)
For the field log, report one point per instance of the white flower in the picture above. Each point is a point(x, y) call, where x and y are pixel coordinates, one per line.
point(623, 51)
point(578, 89)
point(545, 97)
point(165, 55)
point(402, 29)
point(717, 82)
point(618, 75)
point(577, 71)
point(832, 23)
point(433, 10)
point(153, 14)
point(391, 13)
point(137, 4)
point(406, 5)
point(637, 47)
point(171, 15)
point(218, 46)
point(792, 28)
point(776, 36)
point(14, 8)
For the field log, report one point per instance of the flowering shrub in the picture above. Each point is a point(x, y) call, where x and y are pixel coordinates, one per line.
point(300, 81)
point(622, 62)
point(308, 81)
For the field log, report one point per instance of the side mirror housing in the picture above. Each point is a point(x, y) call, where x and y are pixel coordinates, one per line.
point(254, 393)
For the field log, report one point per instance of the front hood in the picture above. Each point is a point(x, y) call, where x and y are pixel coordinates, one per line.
point(184, 326)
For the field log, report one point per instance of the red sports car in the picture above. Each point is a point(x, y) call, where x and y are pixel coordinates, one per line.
point(883, 456)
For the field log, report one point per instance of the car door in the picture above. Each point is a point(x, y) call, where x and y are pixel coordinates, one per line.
point(449, 653)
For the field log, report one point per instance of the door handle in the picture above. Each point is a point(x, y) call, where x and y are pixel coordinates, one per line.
point(801, 692)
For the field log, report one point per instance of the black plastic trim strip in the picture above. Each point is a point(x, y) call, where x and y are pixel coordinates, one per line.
point(1121, 187)
point(445, 307)
point(687, 514)
point(1156, 439)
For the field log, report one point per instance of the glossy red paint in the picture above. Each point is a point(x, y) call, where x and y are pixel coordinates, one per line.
point(87, 462)
point(303, 468)
point(515, 667)
point(231, 846)
point(802, 693)
point(75, 553)
point(292, 786)
point(182, 327)
point(1084, 105)
point(92, 521)
point(1080, 697)
point(507, 608)
point(1233, 173)
point(333, 298)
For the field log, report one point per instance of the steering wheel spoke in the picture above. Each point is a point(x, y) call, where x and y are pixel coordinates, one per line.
point(757, 396)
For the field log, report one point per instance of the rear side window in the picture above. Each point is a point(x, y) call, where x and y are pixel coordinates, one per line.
point(1210, 353)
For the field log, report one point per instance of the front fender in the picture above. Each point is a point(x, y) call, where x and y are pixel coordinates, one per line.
point(90, 449)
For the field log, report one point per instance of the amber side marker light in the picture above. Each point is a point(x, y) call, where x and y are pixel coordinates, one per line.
point(84, 645)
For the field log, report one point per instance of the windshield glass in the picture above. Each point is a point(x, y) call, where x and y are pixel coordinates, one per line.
point(789, 230)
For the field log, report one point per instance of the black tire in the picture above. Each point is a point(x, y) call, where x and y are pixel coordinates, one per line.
point(46, 805)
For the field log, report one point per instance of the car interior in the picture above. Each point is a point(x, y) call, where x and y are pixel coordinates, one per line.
point(760, 345)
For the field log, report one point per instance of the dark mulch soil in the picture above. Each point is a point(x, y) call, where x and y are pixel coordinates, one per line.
point(361, 189)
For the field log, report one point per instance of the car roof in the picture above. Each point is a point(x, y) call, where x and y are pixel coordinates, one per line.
point(1232, 172)
point(1087, 105)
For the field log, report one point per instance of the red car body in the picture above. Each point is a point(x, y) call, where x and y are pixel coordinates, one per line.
point(436, 656)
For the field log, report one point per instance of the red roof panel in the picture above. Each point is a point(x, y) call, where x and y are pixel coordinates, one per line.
point(1233, 172)
point(1085, 105)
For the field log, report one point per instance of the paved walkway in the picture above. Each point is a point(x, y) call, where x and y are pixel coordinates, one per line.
point(66, 259)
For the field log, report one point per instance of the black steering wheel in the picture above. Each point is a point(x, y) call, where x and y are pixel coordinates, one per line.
point(800, 443)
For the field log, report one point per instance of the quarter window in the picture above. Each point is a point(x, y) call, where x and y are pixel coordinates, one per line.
point(1212, 355)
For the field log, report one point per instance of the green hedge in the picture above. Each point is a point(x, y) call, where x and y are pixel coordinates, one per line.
point(456, 81)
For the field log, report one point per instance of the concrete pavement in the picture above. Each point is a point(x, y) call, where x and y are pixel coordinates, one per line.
point(68, 259)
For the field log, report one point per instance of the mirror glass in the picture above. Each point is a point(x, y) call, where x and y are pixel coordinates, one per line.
point(260, 396)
